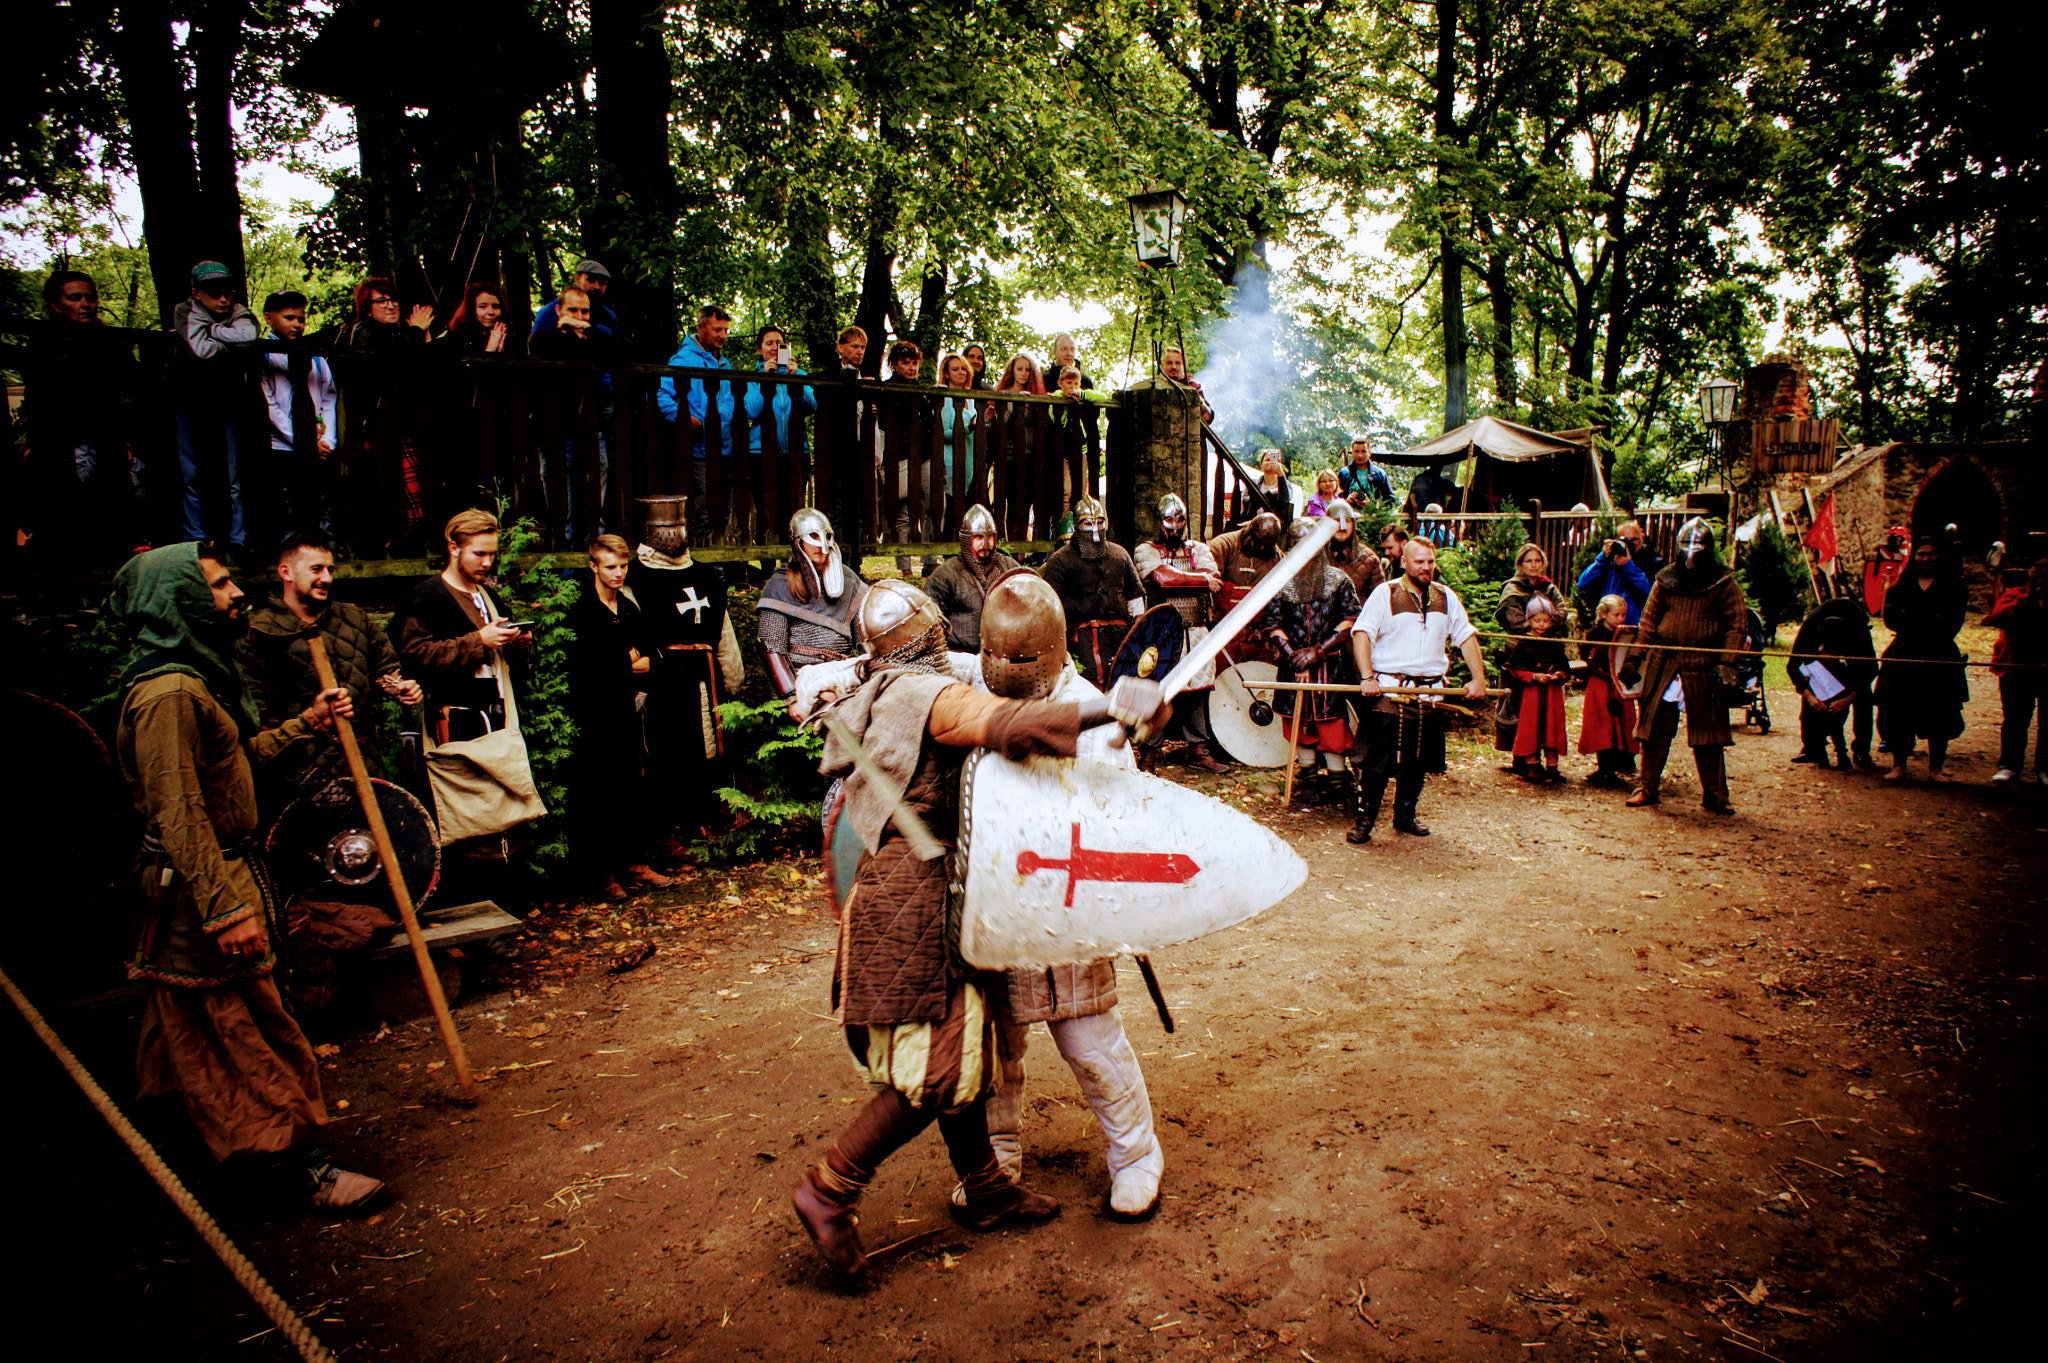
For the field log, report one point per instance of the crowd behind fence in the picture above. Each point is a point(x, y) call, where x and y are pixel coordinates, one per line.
point(572, 444)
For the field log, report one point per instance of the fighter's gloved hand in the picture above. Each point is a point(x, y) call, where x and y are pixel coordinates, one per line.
point(1302, 659)
point(1138, 703)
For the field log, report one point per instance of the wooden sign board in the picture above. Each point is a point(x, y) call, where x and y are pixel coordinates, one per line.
point(1794, 446)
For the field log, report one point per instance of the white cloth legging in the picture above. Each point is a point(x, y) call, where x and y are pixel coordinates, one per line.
point(1105, 1066)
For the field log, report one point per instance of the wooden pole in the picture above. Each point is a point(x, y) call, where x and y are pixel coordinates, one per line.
point(367, 795)
point(1293, 750)
point(1352, 688)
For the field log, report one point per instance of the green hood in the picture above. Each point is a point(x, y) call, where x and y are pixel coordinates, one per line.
point(162, 597)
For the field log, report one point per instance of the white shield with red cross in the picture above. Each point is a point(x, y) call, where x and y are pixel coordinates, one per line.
point(1062, 862)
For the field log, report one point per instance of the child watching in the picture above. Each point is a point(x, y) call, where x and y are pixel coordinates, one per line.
point(1607, 726)
point(1538, 662)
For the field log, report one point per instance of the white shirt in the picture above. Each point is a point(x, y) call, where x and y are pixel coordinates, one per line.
point(277, 396)
point(1409, 644)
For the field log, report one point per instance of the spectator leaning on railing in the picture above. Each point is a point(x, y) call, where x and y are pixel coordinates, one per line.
point(703, 349)
point(595, 280)
point(209, 402)
point(79, 378)
point(576, 336)
point(289, 494)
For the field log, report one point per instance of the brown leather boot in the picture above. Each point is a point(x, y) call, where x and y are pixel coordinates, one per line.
point(1013, 1205)
point(1199, 754)
point(829, 1216)
point(1649, 792)
point(1713, 765)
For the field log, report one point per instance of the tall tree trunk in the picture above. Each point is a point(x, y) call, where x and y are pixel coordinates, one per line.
point(216, 43)
point(814, 285)
point(931, 316)
point(1507, 398)
point(632, 225)
point(160, 122)
point(877, 279)
point(1450, 264)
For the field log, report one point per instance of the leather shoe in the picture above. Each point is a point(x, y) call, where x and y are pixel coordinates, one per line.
point(833, 1225)
point(1640, 799)
point(1015, 1205)
point(1200, 755)
point(1409, 824)
point(340, 1191)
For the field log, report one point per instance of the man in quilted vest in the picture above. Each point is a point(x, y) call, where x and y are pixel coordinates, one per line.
point(291, 754)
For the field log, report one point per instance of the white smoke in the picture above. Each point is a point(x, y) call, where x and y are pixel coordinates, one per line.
point(1250, 365)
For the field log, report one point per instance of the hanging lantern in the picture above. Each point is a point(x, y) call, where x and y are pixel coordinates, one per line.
point(1156, 217)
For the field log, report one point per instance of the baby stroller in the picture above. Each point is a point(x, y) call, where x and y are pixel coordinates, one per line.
point(1749, 673)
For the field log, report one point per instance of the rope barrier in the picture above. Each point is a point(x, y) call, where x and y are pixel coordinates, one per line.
point(1755, 653)
point(287, 1321)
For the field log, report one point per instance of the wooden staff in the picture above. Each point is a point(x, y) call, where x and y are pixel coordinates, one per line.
point(1352, 689)
point(388, 855)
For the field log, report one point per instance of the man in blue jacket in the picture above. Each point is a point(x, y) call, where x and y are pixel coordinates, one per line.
point(1615, 573)
point(594, 279)
point(1362, 478)
point(704, 349)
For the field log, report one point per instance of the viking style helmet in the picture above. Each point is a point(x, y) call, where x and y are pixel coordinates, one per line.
point(1172, 513)
point(1341, 512)
point(895, 615)
point(1307, 583)
point(1262, 536)
point(1091, 520)
point(978, 521)
point(810, 530)
point(1023, 637)
point(1696, 545)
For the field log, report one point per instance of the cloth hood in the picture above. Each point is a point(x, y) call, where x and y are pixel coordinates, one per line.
point(162, 598)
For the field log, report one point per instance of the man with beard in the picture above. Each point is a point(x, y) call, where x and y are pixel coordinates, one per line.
point(1399, 641)
point(1024, 657)
point(1694, 603)
point(1305, 625)
point(215, 1030)
point(959, 587)
point(916, 1017)
point(291, 752)
point(454, 632)
point(1098, 588)
point(695, 663)
point(1182, 571)
point(1351, 556)
point(807, 610)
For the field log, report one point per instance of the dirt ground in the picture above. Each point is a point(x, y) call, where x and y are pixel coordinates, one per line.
point(1564, 1080)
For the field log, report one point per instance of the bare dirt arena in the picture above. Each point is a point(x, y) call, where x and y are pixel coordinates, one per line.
point(1565, 1080)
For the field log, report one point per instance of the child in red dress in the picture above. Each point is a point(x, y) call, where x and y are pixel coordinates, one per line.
point(1607, 726)
point(1538, 662)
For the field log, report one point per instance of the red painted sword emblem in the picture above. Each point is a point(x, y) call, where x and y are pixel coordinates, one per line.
point(1083, 863)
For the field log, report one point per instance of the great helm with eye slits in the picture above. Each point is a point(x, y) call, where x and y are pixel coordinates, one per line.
point(895, 616)
point(1696, 546)
point(809, 527)
point(979, 520)
point(1023, 637)
point(1172, 515)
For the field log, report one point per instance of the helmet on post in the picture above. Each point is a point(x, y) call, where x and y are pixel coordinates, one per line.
point(1172, 515)
point(1023, 637)
point(817, 551)
point(897, 622)
point(979, 520)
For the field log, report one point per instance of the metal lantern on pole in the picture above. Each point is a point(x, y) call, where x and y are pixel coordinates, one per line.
point(1717, 401)
point(1156, 218)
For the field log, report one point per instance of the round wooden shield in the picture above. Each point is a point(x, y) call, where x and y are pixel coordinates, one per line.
point(1236, 715)
point(1156, 642)
point(320, 847)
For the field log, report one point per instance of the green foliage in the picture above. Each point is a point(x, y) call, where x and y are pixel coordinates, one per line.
point(1773, 576)
point(1644, 475)
point(1492, 554)
point(1455, 569)
point(776, 767)
point(543, 595)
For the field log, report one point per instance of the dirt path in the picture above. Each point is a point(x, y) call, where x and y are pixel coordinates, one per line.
point(1564, 1080)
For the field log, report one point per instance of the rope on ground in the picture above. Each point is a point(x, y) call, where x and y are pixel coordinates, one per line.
point(287, 1321)
point(1757, 652)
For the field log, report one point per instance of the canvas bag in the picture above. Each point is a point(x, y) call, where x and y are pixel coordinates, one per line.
point(483, 786)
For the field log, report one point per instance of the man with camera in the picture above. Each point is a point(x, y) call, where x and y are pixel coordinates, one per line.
point(1615, 573)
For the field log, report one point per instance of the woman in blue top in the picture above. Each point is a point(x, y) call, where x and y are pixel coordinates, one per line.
point(787, 400)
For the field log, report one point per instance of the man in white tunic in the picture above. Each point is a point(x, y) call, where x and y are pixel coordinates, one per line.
point(1399, 642)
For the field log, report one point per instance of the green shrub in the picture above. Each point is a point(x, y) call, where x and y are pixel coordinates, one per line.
point(775, 765)
point(1773, 576)
point(543, 595)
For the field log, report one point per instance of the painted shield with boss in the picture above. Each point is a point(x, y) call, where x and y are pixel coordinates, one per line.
point(320, 847)
point(1156, 642)
point(1061, 862)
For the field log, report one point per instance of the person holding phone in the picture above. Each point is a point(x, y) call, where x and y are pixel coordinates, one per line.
point(786, 401)
point(451, 632)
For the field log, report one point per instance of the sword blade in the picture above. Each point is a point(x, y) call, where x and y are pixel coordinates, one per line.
point(1244, 612)
point(914, 831)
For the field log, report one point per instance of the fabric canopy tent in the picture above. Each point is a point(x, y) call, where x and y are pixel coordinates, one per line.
point(1491, 436)
point(1510, 463)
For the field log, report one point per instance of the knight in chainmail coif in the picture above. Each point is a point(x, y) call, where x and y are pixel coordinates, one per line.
point(918, 1018)
point(959, 586)
point(1098, 589)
